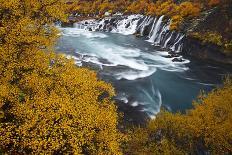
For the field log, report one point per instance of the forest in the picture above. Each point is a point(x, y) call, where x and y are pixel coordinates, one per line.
point(48, 105)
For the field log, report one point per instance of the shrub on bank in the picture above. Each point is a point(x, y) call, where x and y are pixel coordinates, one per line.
point(47, 104)
point(204, 129)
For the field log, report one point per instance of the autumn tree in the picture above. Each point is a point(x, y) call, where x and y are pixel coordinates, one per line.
point(202, 130)
point(47, 104)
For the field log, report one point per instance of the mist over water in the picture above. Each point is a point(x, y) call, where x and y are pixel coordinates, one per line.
point(140, 72)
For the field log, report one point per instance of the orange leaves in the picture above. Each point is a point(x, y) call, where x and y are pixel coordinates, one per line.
point(213, 2)
point(188, 9)
point(175, 22)
point(139, 6)
point(177, 12)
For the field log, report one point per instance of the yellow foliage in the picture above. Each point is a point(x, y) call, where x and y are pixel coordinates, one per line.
point(209, 37)
point(228, 46)
point(47, 104)
point(206, 128)
point(213, 2)
point(175, 22)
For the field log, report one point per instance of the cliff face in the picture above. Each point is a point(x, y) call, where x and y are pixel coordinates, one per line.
point(217, 20)
point(195, 48)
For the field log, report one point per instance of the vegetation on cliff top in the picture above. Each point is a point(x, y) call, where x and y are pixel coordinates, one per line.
point(214, 38)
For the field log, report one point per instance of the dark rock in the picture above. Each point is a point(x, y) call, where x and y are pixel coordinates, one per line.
point(137, 35)
point(90, 29)
point(68, 24)
point(173, 54)
point(112, 21)
point(217, 19)
point(106, 21)
point(147, 29)
point(132, 115)
point(177, 60)
point(104, 27)
point(110, 28)
point(128, 25)
point(168, 56)
point(195, 48)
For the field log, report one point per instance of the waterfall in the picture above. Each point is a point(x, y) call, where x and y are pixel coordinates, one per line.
point(152, 28)
point(169, 38)
point(146, 23)
point(142, 23)
point(164, 29)
point(127, 26)
point(179, 38)
point(156, 29)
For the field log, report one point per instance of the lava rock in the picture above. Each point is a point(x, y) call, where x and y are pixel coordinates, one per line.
point(177, 60)
point(173, 54)
point(106, 21)
point(137, 35)
point(128, 25)
point(110, 28)
point(168, 56)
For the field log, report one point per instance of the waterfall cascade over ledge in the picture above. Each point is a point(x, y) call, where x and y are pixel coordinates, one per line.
point(154, 29)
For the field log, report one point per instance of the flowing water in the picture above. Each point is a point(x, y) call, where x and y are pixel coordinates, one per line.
point(140, 71)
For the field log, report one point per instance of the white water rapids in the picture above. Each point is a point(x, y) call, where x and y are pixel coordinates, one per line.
point(142, 73)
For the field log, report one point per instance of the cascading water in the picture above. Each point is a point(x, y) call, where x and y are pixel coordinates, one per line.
point(147, 21)
point(163, 31)
point(127, 26)
point(157, 30)
point(167, 41)
point(179, 38)
point(152, 28)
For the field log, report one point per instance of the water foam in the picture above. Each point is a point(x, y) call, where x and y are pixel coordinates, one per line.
point(76, 32)
point(134, 74)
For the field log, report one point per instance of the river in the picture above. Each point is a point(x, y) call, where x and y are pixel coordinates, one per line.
point(141, 73)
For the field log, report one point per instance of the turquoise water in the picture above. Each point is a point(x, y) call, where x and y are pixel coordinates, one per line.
point(140, 72)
